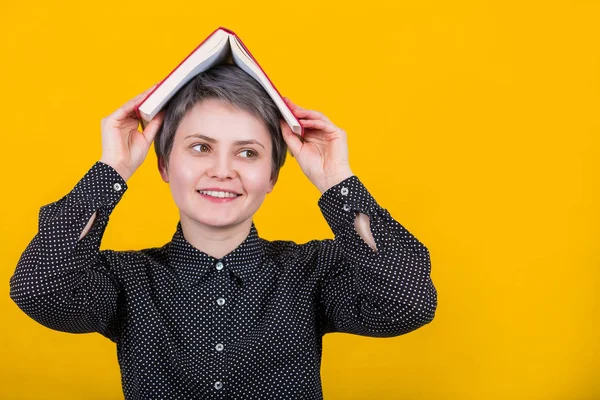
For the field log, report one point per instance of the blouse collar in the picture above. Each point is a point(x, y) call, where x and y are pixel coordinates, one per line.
point(191, 264)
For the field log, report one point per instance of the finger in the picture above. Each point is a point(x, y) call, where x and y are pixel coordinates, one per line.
point(311, 114)
point(317, 124)
point(294, 143)
point(126, 110)
point(291, 105)
point(300, 112)
point(153, 126)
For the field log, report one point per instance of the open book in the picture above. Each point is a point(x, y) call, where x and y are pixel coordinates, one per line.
point(221, 46)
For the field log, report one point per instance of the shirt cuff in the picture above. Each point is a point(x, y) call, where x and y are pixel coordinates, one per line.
point(340, 204)
point(101, 186)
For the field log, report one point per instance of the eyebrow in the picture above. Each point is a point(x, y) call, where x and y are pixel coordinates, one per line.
point(212, 140)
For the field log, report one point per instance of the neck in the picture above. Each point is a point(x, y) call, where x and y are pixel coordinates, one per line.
point(216, 242)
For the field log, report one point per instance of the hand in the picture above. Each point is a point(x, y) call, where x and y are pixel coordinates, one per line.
point(124, 147)
point(323, 153)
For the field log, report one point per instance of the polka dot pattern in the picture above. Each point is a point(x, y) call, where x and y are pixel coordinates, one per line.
point(246, 326)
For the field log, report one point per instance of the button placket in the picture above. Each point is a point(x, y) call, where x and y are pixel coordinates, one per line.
point(344, 191)
point(222, 289)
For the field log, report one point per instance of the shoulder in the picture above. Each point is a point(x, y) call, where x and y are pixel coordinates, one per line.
point(134, 260)
point(316, 253)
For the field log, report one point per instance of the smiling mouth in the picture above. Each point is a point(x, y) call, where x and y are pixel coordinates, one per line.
point(218, 194)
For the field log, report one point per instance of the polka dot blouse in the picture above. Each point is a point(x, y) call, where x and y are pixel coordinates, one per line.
point(246, 326)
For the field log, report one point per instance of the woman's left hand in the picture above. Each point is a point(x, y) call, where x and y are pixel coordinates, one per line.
point(323, 153)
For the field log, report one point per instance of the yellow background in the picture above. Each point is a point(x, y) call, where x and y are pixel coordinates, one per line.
point(475, 123)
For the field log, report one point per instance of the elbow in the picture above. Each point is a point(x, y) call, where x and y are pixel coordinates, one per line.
point(411, 309)
point(54, 312)
point(391, 319)
point(57, 310)
point(20, 293)
point(409, 317)
point(411, 320)
point(30, 304)
point(423, 257)
point(425, 308)
point(424, 311)
point(426, 315)
point(28, 301)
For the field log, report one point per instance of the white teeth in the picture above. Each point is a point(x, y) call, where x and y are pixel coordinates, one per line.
point(217, 194)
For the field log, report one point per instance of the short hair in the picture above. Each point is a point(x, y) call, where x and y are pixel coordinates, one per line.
point(230, 83)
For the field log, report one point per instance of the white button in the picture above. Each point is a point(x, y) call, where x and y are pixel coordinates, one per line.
point(218, 385)
point(346, 207)
point(219, 347)
point(117, 186)
point(219, 265)
point(221, 301)
point(344, 191)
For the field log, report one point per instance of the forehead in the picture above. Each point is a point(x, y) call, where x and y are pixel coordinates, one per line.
point(223, 122)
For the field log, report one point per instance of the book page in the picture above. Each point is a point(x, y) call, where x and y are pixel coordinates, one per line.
point(245, 62)
point(214, 51)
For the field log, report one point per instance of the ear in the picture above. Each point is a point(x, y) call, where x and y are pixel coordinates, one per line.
point(272, 184)
point(164, 171)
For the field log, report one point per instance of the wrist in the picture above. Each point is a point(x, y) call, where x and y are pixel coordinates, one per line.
point(330, 181)
point(124, 172)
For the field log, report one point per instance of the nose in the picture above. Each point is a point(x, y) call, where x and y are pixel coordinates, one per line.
point(221, 168)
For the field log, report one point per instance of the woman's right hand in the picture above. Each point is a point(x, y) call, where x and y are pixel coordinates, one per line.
point(124, 147)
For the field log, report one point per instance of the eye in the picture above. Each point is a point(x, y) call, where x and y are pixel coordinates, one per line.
point(201, 148)
point(248, 153)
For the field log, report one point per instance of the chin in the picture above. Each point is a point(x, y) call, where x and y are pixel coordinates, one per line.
point(218, 222)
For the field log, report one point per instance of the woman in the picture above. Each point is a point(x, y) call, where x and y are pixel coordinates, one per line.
point(219, 312)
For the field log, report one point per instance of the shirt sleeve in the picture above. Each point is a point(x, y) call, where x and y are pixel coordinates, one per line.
point(63, 282)
point(383, 293)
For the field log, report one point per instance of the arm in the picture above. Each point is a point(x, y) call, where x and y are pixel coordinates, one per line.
point(384, 292)
point(376, 274)
point(64, 282)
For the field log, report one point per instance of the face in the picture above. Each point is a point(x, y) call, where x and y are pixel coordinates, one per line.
point(219, 169)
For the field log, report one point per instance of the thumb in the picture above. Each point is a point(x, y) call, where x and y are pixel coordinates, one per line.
point(153, 127)
point(294, 143)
